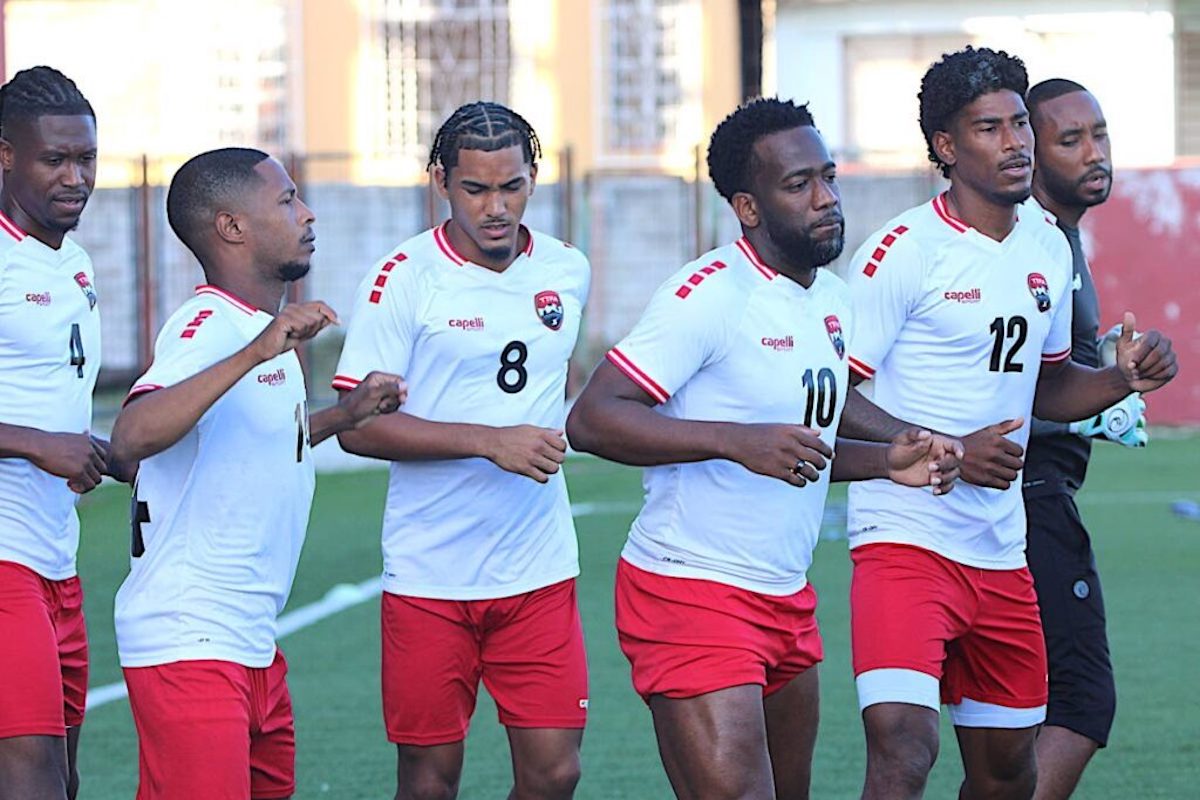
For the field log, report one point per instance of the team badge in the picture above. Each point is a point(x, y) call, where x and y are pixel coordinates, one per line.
point(1040, 290)
point(834, 328)
point(86, 287)
point(549, 308)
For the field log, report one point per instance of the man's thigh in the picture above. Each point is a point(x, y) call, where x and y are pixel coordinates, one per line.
point(534, 660)
point(32, 699)
point(1082, 689)
point(193, 720)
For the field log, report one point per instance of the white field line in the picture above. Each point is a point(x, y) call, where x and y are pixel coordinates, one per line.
point(337, 599)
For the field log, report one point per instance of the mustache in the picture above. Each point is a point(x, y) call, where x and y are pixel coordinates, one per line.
point(1016, 161)
point(76, 195)
point(829, 219)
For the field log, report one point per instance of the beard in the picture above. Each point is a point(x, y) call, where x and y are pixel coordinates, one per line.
point(292, 271)
point(1070, 193)
point(802, 248)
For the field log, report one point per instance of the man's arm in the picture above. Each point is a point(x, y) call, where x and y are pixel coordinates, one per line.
point(1068, 391)
point(522, 449)
point(152, 422)
point(614, 418)
point(74, 456)
point(989, 459)
point(914, 458)
point(379, 393)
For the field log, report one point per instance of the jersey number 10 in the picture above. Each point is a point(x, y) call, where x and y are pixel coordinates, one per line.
point(822, 398)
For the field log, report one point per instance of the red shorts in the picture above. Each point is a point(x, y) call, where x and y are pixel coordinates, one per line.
point(213, 729)
point(686, 637)
point(43, 653)
point(976, 631)
point(528, 649)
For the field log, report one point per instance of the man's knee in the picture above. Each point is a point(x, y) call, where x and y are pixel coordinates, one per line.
point(902, 744)
point(427, 786)
point(32, 766)
point(550, 781)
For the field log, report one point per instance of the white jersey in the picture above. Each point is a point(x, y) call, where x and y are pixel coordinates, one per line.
point(953, 327)
point(483, 347)
point(729, 339)
point(220, 516)
point(49, 358)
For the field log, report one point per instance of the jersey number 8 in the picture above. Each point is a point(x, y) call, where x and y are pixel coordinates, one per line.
point(513, 376)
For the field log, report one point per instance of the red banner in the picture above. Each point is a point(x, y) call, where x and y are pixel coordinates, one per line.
point(1144, 249)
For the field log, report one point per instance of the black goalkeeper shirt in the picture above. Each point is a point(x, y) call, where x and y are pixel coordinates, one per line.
point(1056, 461)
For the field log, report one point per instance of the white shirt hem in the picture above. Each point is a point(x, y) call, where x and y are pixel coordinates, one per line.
point(156, 658)
point(396, 585)
point(966, 559)
point(700, 573)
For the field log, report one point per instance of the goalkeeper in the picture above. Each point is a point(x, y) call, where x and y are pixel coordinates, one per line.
point(1073, 172)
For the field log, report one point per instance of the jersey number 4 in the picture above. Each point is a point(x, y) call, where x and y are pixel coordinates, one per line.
point(822, 397)
point(77, 357)
point(1015, 330)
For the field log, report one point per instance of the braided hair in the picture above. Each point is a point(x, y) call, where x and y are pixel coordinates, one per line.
point(38, 92)
point(486, 126)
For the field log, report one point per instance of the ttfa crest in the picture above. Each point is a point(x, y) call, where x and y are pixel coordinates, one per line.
point(834, 328)
point(86, 287)
point(549, 308)
point(1040, 290)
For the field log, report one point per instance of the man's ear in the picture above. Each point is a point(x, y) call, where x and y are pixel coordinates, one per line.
point(746, 208)
point(230, 227)
point(943, 148)
point(440, 176)
point(8, 154)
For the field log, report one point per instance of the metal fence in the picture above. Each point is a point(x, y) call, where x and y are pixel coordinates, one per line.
point(636, 227)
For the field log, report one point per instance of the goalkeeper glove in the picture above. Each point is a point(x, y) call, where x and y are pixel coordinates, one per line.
point(1123, 423)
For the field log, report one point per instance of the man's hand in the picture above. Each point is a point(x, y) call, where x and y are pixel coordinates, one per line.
point(379, 393)
point(921, 458)
point(990, 459)
point(1147, 362)
point(294, 324)
point(74, 456)
point(791, 453)
point(527, 450)
point(123, 472)
point(1123, 423)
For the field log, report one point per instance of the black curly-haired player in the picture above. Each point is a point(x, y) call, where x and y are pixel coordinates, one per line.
point(962, 310)
point(729, 390)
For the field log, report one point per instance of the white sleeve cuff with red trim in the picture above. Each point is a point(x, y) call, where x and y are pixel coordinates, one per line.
point(861, 368)
point(635, 374)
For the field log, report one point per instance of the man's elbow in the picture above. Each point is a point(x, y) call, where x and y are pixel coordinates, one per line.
point(355, 441)
point(579, 430)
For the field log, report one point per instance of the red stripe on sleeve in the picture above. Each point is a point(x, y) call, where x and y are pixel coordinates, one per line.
point(631, 371)
point(861, 368)
point(345, 382)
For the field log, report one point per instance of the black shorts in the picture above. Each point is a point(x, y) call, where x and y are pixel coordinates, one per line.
point(1083, 696)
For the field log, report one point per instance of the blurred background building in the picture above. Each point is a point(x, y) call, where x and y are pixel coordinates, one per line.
point(623, 94)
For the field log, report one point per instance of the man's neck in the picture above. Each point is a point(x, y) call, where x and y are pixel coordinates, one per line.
point(776, 259)
point(265, 296)
point(1066, 215)
point(12, 209)
point(994, 220)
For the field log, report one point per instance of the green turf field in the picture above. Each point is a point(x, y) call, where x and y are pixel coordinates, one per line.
point(1150, 562)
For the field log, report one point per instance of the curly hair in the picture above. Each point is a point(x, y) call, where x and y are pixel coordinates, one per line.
point(731, 148)
point(486, 126)
point(958, 80)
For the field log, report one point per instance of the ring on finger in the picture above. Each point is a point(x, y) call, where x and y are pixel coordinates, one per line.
point(800, 462)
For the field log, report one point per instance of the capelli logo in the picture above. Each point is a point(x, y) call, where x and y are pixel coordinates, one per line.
point(779, 342)
point(475, 324)
point(38, 298)
point(969, 296)
point(276, 378)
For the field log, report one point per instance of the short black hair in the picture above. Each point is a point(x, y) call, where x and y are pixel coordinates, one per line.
point(486, 126)
point(1049, 90)
point(39, 92)
point(204, 185)
point(958, 80)
point(731, 148)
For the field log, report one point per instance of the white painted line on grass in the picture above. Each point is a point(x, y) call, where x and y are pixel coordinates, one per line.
point(338, 599)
